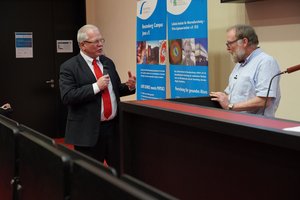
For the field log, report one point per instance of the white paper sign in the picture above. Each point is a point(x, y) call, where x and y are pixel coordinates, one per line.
point(64, 46)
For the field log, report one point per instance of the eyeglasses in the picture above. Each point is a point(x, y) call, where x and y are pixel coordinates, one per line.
point(102, 40)
point(229, 43)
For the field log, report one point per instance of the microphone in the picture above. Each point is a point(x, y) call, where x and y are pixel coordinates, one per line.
point(102, 58)
point(292, 69)
point(104, 63)
point(105, 70)
point(288, 70)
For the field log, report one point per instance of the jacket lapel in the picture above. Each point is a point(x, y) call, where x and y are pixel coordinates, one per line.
point(86, 68)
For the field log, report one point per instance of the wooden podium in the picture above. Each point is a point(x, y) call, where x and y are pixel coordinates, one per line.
point(198, 152)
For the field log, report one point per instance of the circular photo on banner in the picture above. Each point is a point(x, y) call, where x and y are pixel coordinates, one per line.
point(175, 51)
point(177, 7)
point(145, 8)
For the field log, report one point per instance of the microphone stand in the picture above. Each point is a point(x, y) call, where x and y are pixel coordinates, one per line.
point(288, 70)
point(269, 91)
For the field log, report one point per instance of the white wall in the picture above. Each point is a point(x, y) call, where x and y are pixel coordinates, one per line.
point(117, 22)
point(277, 23)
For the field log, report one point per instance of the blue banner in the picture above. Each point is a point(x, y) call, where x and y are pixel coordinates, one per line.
point(151, 49)
point(187, 39)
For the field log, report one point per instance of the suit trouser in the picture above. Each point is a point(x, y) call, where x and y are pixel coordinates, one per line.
point(107, 147)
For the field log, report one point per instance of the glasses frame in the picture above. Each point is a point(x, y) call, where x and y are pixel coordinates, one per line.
point(229, 43)
point(102, 41)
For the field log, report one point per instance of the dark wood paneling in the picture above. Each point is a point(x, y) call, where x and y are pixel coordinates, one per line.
point(23, 80)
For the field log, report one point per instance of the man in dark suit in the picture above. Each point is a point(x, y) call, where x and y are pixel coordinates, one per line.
point(82, 88)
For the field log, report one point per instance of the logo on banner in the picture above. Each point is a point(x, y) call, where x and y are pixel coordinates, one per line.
point(177, 7)
point(145, 8)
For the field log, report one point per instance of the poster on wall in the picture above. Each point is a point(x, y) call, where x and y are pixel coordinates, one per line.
point(151, 49)
point(64, 46)
point(187, 42)
point(24, 44)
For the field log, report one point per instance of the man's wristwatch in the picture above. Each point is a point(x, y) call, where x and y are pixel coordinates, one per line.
point(230, 106)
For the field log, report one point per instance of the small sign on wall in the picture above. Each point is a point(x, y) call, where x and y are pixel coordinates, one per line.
point(64, 46)
point(24, 44)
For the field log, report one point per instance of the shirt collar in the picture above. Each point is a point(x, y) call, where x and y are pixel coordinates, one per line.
point(251, 56)
point(87, 58)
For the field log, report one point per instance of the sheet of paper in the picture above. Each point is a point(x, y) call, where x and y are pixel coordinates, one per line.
point(295, 129)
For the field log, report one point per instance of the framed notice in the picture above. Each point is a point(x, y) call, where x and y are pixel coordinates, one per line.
point(24, 44)
point(64, 46)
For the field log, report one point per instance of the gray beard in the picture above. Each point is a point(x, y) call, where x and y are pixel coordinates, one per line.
point(238, 55)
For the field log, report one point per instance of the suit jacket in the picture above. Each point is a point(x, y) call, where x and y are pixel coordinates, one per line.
point(5, 112)
point(2, 111)
point(84, 107)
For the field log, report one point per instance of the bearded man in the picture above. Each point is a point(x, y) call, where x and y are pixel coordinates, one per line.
point(249, 80)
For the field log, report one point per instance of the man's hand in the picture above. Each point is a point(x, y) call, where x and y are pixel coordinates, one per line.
point(131, 81)
point(221, 97)
point(6, 106)
point(103, 82)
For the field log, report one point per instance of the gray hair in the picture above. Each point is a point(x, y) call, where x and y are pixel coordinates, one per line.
point(82, 32)
point(245, 31)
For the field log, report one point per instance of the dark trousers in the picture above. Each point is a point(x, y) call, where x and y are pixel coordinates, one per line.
point(107, 147)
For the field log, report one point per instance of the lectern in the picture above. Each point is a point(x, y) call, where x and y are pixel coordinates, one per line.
point(199, 152)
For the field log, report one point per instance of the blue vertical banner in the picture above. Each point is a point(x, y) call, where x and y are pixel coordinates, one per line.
point(151, 49)
point(187, 42)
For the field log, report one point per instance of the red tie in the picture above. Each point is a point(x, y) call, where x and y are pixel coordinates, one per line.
point(105, 92)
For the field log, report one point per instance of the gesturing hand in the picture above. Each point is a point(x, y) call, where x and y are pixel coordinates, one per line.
point(131, 81)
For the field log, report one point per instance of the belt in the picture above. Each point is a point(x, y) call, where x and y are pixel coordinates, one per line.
point(108, 122)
